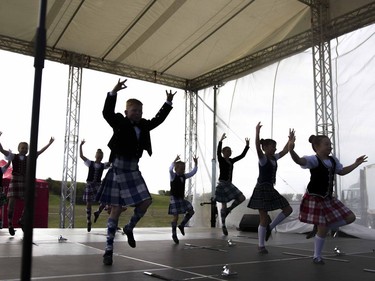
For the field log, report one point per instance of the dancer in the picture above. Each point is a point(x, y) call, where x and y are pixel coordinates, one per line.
point(265, 197)
point(123, 183)
point(178, 204)
point(17, 183)
point(226, 191)
point(93, 182)
point(3, 197)
point(318, 206)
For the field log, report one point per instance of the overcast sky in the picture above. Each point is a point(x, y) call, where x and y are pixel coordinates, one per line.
point(17, 80)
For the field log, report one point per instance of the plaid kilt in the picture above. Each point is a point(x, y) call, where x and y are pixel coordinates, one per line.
point(322, 211)
point(226, 192)
point(90, 192)
point(17, 187)
point(266, 197)
point(179, 206)
point(123, 184)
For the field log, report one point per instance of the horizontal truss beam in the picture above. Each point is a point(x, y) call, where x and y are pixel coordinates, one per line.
point(349, 22)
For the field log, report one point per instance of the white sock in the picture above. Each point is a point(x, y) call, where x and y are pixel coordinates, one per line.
point(337, 224)
point(280, 217)
point(261, 235)
point(318, 246)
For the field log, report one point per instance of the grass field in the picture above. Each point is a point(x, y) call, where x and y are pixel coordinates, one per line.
point(156, 216)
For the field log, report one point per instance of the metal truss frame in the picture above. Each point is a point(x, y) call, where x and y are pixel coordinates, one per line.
point(322, 31)
point(191, 139)
point(69, 176)
point(351, 21)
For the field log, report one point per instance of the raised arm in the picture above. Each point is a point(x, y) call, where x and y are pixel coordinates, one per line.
point(2, 150)
point(195, 168)
point(110, 103)
point(170, 95)
point(292, 138)
point(220, 145)
point(257, 141)
point(348, 169)
point(81, 151)
point(45, 147)
point(285, 149)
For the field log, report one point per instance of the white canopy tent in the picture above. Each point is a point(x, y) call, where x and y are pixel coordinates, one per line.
point(187, 44)
point(281, 97)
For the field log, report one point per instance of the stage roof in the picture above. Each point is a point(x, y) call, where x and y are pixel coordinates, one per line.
point(187, 44)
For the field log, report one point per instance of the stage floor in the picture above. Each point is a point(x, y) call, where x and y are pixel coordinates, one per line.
point(201, 255)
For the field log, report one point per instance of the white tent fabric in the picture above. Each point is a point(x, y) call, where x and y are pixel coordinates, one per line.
point(281, 96)
point(185, 38)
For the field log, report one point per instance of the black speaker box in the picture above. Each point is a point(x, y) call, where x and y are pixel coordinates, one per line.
point(250, 222)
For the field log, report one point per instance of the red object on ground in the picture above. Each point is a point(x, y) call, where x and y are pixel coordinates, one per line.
point(40, 205)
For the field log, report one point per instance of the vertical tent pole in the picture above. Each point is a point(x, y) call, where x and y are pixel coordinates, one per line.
point(28, 219)
point(213, 180)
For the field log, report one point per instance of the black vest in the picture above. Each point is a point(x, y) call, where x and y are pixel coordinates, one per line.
point(95, 175)
point(19, 166)
point(322, 179)
point(178, 186)
point(267, 173)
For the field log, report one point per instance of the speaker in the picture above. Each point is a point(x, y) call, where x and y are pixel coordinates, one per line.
point(250, 222)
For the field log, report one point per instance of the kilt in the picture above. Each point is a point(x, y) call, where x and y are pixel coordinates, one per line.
point(226, 191)
point(17, 187)
point(266, 197)
point(179, 206)
point(123, 184)
point(322, 211)
point(91, 189)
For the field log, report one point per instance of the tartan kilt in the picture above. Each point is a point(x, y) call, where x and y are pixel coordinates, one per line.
point(123, 184)
point(17, 187)
point(90, 192)
point(322, 211)
point(226, 192)
point(266, 197)
point(179, 206)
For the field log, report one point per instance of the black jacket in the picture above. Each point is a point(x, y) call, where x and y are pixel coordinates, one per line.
point(124, 141)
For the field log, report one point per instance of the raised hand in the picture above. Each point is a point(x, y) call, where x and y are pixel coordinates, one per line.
point(51, 140)
point(292, 139)
point(224, 136)
point(120, 85)
point(247, 140)
point(170, 95)
point(361, 159)
point(177, 158)
point(195, 159)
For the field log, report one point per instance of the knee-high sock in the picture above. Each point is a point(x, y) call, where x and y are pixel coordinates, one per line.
point(261, 235)
point(111, 232)
point(337, 224)
point(101, 208)
point(233, 205)
point(223, 211)
point(88, 214)
point(318, 246)
point(279, 218)
point(174, 227)
point(10, 217)
point(137, 215)
point(186, 218)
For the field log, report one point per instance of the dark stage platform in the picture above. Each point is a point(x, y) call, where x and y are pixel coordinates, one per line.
point(201, 255)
